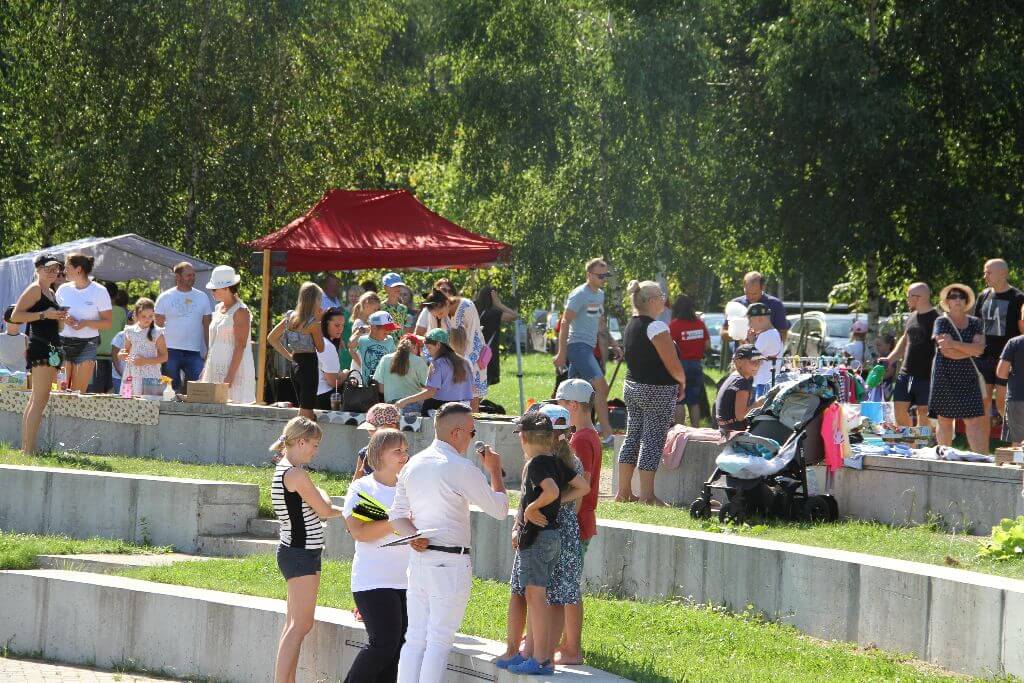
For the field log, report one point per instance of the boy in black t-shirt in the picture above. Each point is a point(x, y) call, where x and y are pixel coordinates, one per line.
point(737, 391)
point(537, 540)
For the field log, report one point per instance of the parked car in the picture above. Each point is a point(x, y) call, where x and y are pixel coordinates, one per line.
point(807, 337)
point(714, 322)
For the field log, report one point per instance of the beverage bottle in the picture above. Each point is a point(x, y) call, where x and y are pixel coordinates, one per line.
point(126, 383)
point(876, 376)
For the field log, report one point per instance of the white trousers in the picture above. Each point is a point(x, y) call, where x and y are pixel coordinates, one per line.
point(439, 587)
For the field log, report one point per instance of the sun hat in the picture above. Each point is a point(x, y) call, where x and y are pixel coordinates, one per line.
point(558, 415)
point(380, 414)
point(223, 276)
point(859, 327)
point(383, 319)
point(757, 308)
point(44, 260)
point(956, 285)
point(437, 335)
point(578, 390)
point(747, 352)
point(392, 280)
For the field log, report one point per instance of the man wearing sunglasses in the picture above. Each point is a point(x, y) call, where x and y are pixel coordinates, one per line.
point(917, 349)
point(582, 322)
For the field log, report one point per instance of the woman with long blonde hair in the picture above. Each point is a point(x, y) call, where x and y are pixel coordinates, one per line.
point(298, 338)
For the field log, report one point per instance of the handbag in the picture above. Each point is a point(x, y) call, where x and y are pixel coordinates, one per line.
point(357, 398)
point(485, 355)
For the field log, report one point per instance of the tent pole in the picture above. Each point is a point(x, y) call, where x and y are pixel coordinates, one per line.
point(261, 367)
point(519, 349)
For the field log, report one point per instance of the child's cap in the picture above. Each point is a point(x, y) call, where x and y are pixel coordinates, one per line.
point(533, 421)
point(747, 352)
point(859, 327)
point(758, 309)
point(383, 319)
point(558, 415)
point(381, 414)
point(578, 390)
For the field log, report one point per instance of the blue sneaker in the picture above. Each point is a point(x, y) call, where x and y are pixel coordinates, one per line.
point(531, 667)
point(514, 660)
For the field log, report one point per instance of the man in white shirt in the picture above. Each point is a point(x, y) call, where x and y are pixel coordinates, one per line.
point(768, 341)
point(332, 292)
point(434, 493)
point(184, 312)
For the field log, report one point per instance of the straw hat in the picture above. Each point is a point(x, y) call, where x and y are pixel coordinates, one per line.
point(956, 285)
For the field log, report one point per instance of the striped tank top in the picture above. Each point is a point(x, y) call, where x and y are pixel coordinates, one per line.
point(300, 525)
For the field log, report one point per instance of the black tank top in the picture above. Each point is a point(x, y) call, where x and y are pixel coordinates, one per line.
point(642, 359)
point(47, 330)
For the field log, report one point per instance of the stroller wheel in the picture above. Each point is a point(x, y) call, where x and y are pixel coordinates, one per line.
point(815, 509)
point(732, 512)
point(700, 509)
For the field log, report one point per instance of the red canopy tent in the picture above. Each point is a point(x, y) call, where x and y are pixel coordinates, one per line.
point(361, 229)
point(358, 229)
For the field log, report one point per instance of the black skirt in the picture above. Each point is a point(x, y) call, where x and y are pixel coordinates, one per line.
point(305, 379)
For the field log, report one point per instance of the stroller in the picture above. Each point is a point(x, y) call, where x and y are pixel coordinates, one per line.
point(760, 475)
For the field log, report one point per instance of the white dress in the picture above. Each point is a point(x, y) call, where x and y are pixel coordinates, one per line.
point(218, 359)
point(142, 347)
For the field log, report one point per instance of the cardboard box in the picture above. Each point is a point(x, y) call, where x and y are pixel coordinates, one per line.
point(1009, 456)
point(207, 392)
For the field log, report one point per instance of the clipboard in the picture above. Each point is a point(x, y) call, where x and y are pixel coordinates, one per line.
point(405, 540)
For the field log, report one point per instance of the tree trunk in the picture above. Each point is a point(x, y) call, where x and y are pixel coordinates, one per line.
point(195, 177)
point(871, 280)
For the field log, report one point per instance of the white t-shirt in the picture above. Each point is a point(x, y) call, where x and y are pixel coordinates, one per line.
point(656, 328)
point(373, 566)
point(424, 319)
point(12, 351)
point(84, 304)
point(183, 313)
point(327, 361)
point(856, 349)
point(769, 343)
point(116, 343)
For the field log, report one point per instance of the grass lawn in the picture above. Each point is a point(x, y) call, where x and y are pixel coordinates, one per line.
point(335, 484)
point(19, 551)
point(643, 641)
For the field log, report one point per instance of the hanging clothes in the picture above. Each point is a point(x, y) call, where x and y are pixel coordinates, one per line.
point(832, 435)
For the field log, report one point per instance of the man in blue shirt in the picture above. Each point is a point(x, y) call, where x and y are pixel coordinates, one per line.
point(582, 321)
point(753, 292)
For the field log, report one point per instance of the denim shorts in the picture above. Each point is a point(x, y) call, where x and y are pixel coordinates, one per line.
point(538, 561)
point(78, 350)
point(581, 361)
point(296, 562)
point(694, 371)
point(913, 390)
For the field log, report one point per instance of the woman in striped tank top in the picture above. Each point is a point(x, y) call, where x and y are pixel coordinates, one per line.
point(301, 508)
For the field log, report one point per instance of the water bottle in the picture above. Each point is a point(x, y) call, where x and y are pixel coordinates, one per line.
point(168, 394)
point(126, 383)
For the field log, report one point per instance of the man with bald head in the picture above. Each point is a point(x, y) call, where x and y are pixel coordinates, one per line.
point(753, 292)
point(434, 492)
point(917, 348)
point(999, 307)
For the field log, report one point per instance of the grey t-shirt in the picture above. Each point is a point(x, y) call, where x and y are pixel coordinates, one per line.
point(588, 306)
point(1013, 353)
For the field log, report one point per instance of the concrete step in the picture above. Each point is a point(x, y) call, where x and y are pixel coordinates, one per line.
point(109, 563)
point(240, 545)
point(264, 528)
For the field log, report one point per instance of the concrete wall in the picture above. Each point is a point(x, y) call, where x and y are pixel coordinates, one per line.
point(189, 632)
point(968, 496)
point(960, 620)
point(235, 435)
point(160, 510)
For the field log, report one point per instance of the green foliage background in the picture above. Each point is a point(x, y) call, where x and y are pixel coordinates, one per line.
point(695, 138)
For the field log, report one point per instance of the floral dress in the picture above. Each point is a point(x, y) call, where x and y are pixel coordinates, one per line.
point(142, 347)
point(564, 585)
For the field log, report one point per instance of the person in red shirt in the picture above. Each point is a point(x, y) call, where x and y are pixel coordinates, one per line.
point(692, 339)
point(576, 396)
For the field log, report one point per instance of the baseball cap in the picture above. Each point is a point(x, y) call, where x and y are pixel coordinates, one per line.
point(437, 335)
point(758, 308)
point(859, 327)
point(392, 280)
point(747, 352)
point(533, 421)
point(381, 414)
point(416, 340)
point(578, 390)
point(44, 260)
point(383, 319)
point(558, 415)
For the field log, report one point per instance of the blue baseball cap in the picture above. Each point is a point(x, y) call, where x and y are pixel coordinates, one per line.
point(393, 280)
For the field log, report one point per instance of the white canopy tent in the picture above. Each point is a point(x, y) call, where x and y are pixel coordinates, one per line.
point(118, 259)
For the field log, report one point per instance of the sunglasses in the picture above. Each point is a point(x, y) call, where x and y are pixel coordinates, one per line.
point(953, 296)
point(602, 276)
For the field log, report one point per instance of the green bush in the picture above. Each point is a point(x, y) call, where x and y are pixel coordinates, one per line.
point(1007, 540)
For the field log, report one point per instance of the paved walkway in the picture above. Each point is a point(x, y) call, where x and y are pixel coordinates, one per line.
point(31, 671)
